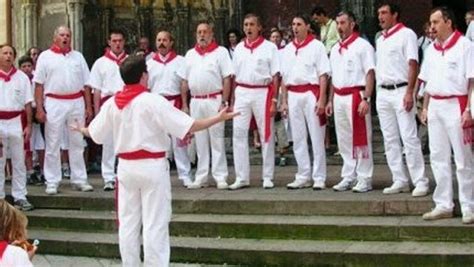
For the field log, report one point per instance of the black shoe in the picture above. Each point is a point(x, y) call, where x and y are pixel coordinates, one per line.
point(32, 179)
point(23, 205)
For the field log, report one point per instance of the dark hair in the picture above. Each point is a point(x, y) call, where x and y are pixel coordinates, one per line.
point(132, 69)
point(447, 14)
point(25, 59)
point(117, 31)
point(11, 46)
point(253, 15)
point(31, 48)
point(235, 31)
point(304, 17)
point(318, 10)
point(394, 8)
point(349, 14)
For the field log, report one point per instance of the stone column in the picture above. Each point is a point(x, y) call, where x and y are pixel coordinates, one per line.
point(75, 11)
point(29, 22)
point(183, 29)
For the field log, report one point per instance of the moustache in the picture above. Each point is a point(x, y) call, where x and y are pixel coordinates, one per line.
point(162, 46)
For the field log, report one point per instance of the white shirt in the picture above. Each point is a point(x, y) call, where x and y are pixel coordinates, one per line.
point(448, 74)
point(205, 73)
point(257, 67)
point(16, 93)
point(306, 66)
point(393, 54)
point(61, 74)
point(470, 31)
point(163, 79)
point(15, 257)
point(350, 67)
point(105, 76)
point(144, 123)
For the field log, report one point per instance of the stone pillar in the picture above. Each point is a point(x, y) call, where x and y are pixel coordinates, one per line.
point(29, 22)
point(75, 11)
point(221, 24)
point(183, 29)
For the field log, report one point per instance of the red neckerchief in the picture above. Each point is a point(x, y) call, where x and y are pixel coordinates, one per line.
point(306, 41)
point(450, 43)
point(344, 44)
point(254, 44)
point(129, 92)
point(168, 58)
point(117, 59)
point(211, 47)
point(392, 30)
point(3, 247)
point(7, 76)
point(58, 50)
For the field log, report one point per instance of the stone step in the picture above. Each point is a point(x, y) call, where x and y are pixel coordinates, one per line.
point(264, 252)
point(367, 228)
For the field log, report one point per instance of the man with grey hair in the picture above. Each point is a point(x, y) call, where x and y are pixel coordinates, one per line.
point(61, 98)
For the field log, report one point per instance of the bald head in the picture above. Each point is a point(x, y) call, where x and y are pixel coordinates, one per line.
point(62, 37)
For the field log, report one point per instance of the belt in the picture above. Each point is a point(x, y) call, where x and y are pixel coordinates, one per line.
point(394, 86)
point(8, 115)
point(141, 154)
point(211, 95)
point(66, 97)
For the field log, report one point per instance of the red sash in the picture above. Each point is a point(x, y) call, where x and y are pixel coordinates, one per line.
point(8, 115)
point(141, 154)
point(359, 127)
point(3, 247)
point(211, 95)
point(467, 128)
point(268, 104)
point(66, 97)
point(314, 88)
point(178, 101)
point(129, 92)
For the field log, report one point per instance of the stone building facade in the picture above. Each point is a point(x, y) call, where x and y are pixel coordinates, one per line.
point(31, 22)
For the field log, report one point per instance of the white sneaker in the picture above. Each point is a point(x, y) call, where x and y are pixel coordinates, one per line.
point(222, 185)
point(420, 190)
point(319, 185)
point(268, 184)
point(239, 184)
point(51, 189)
point(344, 185)
point(197, 185)
point(85, 187)
point(362, 186)
point(437, 214)
point(468, 217)
point(396, 188)
point(299, 184)
point(186, 181)
point(109, 186)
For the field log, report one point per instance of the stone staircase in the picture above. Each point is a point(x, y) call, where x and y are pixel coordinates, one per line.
point(256, 227)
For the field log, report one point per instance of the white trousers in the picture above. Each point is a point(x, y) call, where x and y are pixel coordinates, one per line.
point(11, 134)
point(108, 161)
point(358, 168)
point(445, 133)
point(396, 123)
point(144, 203)
point(37, 139)
point(59, 115)
point(303, 120)
point(210, 139)
point(181, 159)
point(248, 102)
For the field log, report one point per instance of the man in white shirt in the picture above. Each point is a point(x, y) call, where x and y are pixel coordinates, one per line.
point(448, 73)
point(106, 81)
point(256, 75)
point(61, 98)
point(397, 66)
point(15, 98)
point(304, 83)
point(140, 123)
point(207, 72)
point(164, 80)
point(352, 64)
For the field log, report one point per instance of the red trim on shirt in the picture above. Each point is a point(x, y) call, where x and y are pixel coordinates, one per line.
point(168, 58)
point(117, 59)
point(58, 50)
point(386, 34)
point(7, 76)
point(306, 41)
point(344, 44)
point(129, 92)
point(202, 51)
point(253, 45)
point(457, 35)
point(3, 247)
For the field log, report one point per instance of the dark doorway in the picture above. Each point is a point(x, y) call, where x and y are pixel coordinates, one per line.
point(459, 8)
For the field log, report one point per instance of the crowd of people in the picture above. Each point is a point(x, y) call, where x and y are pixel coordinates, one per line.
point(290, 88)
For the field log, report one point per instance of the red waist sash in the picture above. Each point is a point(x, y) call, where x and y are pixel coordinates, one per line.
point(66, 97)
point(178, 101)
point(8, 115)
point(359, 127)
point(268, 104)
point(141, 154)
point(211, 95)
point(314, 88)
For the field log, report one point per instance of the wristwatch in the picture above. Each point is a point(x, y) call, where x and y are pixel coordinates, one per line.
point(225, 103)
point(366, 99)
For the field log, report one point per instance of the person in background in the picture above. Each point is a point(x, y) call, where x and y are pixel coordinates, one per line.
point(233, 38)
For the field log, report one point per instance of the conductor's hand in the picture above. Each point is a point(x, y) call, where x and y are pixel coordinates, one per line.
point(224, 114)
